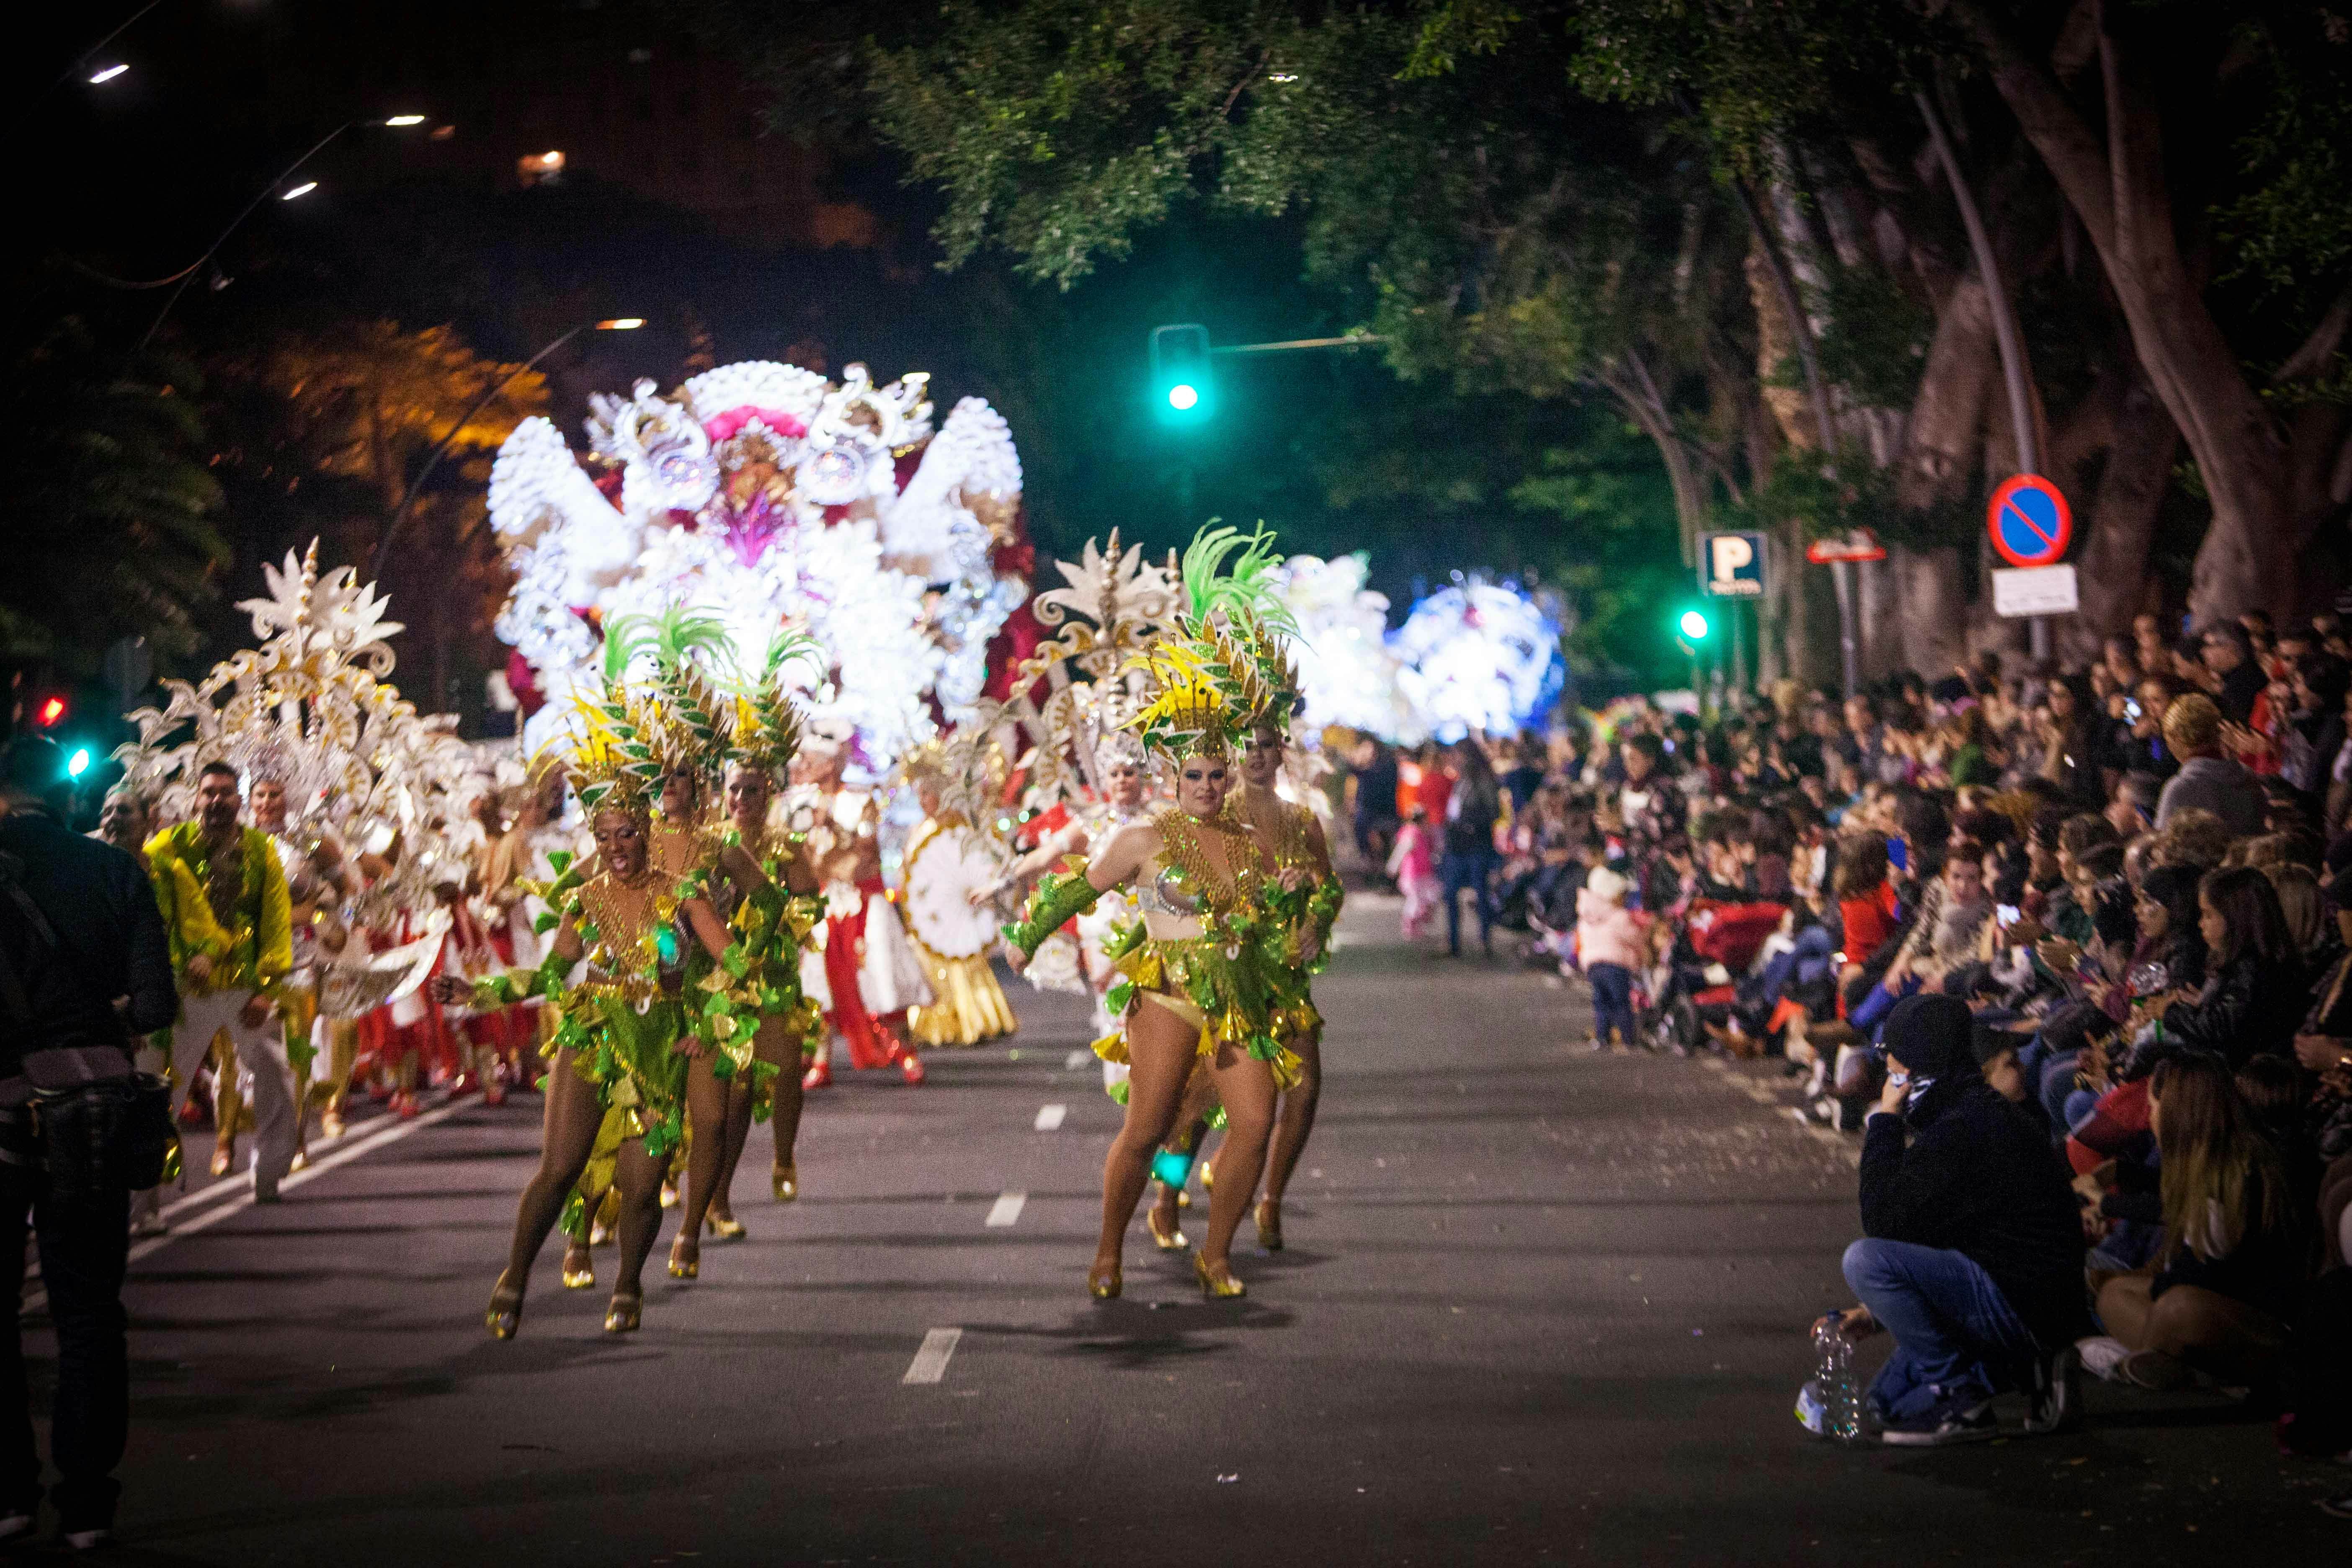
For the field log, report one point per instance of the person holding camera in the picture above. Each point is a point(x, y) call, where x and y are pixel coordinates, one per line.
point(85, 968)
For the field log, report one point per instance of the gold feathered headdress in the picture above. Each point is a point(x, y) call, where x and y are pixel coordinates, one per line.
point(613, 765)
point(685, 717)
point(1225, 670)
point(767, 722)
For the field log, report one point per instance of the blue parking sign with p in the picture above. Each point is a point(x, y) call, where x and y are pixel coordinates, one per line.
point(1731, 565)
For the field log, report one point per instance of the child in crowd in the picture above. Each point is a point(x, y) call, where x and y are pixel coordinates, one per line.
point(1412, 864)
point(1609, 942)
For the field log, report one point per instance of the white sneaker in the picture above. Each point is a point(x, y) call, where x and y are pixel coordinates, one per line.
point(2102, 1355)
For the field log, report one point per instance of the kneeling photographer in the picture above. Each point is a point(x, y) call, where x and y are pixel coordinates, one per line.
point(84, 965)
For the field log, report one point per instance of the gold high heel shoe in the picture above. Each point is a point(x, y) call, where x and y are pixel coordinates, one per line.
point(1170, 1240)
point(579, 1266)
point(784, 1181)
point(685, 1259)
point(726, 1228)
point(1104, 1284)
point(1269, 1216)
point(623, 1313)
point(505, 1315)
point(1220, 1284)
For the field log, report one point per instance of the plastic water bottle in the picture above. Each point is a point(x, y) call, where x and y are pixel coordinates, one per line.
point(1829, 1404)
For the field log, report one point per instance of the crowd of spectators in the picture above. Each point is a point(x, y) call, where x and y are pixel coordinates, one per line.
point(2122, 895)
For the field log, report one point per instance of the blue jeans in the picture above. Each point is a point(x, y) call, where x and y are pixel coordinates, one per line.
point(1957, 1340)
point(1470, 872)
point(1612, 1001)
point(1875, 1007)
point(2049, 1077)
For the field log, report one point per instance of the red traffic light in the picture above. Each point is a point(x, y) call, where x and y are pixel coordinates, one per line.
point(52, 710)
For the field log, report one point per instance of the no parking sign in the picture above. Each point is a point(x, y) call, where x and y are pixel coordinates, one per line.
point(2030, 521)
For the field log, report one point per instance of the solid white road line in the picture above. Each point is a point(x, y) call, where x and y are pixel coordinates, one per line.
point(1049, 1117)
point(34, 1300)
point(931, 1363)
point(1006, 1210)
point(1076, 1060)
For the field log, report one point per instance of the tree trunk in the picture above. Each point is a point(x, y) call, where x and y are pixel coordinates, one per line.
point(2118, 191)
point(1934, 605)
point(2112, 570)
point(1630, 383)
point(1943, 445)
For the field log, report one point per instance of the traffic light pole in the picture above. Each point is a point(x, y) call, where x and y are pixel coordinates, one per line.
point(1739, 649)
point(1351, 341)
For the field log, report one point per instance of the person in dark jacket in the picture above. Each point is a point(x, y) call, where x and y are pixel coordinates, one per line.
point(88, 967)
point(1472, 810)
point(2255, 992)
point(1972, 1248)
point(2225, 652)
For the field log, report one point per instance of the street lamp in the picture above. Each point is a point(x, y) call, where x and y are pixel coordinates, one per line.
point(433, 459)
point(106, 73)
point(238, 222)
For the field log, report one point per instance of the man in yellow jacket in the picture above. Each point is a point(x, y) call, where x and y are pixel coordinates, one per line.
point(231, 950)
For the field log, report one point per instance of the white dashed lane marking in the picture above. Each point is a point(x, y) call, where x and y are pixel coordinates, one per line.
point(931, 1363)
point(1076, 1060)
point(1006, 1210)
point(1049, 1117)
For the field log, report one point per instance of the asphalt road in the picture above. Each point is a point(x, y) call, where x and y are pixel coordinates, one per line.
point(1539, 1305)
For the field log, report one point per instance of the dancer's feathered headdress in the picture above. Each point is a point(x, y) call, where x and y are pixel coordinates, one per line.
point(767, 722)
point(965, 767)
point(606, 748)
point(685, 717)
point(1224, 669)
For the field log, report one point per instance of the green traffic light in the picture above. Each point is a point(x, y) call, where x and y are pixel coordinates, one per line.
point(1693, 625)
point(1182, 375)
point(78, 763)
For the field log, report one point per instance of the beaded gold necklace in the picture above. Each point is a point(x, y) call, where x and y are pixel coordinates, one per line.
point(1283, 827)
point(700, 844)
point(1221, 890)
point(625, 926)
point(222, 876)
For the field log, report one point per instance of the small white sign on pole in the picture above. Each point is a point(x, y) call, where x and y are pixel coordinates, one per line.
point(2033, 590)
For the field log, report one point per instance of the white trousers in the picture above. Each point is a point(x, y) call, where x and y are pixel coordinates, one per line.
point(262, 1053)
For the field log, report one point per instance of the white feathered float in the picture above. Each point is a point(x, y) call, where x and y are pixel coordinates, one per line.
point(767, 495)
